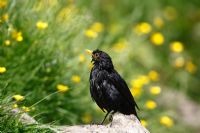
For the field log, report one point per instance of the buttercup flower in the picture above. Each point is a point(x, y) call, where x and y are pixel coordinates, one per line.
point(41, 25)
point(176, 47)
point(190, 67)
point(140, 81)
point(157, 38)
point(18, 97)
point(166, 121)
point(155, 90)
point(150, 104)
point(2, 70)
point(153, 75)
point(15, 106)
point(90, 33)
point(26, 109)
point(5, 17)
point(136, 83)
point(136, 92)
point(76, 78)
point(142, 28)
point(82, 58)
point(3, 3)
point(120, 46)
point(97, 27)
point(7, 42)
point(62, 88)
point(144, 123)
point(17, 36)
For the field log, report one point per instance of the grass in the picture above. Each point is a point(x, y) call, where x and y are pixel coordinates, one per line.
point(38, 59)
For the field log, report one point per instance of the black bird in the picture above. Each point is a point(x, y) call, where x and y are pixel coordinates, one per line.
point(108, 89)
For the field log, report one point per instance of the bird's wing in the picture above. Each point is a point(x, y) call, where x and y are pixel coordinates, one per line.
point(94, 93)
point(122, 87)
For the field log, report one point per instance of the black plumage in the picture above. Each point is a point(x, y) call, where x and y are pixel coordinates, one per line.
point(107, 87)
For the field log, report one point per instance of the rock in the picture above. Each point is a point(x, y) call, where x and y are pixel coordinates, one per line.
point(120, 124)
point(24, 117)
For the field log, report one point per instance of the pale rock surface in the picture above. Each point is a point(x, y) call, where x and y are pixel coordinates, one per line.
point(120, 124)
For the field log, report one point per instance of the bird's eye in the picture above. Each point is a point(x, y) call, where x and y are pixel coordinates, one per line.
point(96, 54)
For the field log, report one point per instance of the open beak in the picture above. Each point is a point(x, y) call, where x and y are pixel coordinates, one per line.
point(89, 52)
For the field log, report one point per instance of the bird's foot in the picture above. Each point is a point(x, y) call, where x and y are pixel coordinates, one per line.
point(110, 118)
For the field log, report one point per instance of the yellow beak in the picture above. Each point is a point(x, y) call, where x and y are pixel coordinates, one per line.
point(89, 52)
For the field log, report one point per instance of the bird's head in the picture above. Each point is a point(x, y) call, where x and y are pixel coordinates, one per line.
point(101, 59)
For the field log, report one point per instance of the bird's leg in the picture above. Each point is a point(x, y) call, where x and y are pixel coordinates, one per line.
point(111, 116)
point(105, 118)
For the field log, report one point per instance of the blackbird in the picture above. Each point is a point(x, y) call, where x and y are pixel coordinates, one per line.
point(108, 89)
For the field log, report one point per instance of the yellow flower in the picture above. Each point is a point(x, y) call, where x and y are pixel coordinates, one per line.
point(18, 97)
point(66, 13)
point(153, 75)
point(120, 46)
point(136, 83)
point(2, 70)
point(157, 38)
point(144, 123)
point(3, 3)
point(26, 109)
point(62, 88)
point(166, 121)
point(76, 78)
point(144, 79)
point(158, 22)
point(15, 106)
point(176, 47)
point(86, 118)
point(5, 17)
point(17, 36)
point(81, 58)
point(179, 62)
point(90, 33)
point(150, 104)
point(136, 92)
point(155, 90)
point(140, 81)
point(142, 28)
point(41, 25)
point(97, 27)
point(190, 67)
point(7, 42)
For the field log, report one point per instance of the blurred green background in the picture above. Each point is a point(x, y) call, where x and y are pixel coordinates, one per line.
point(44, 69)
